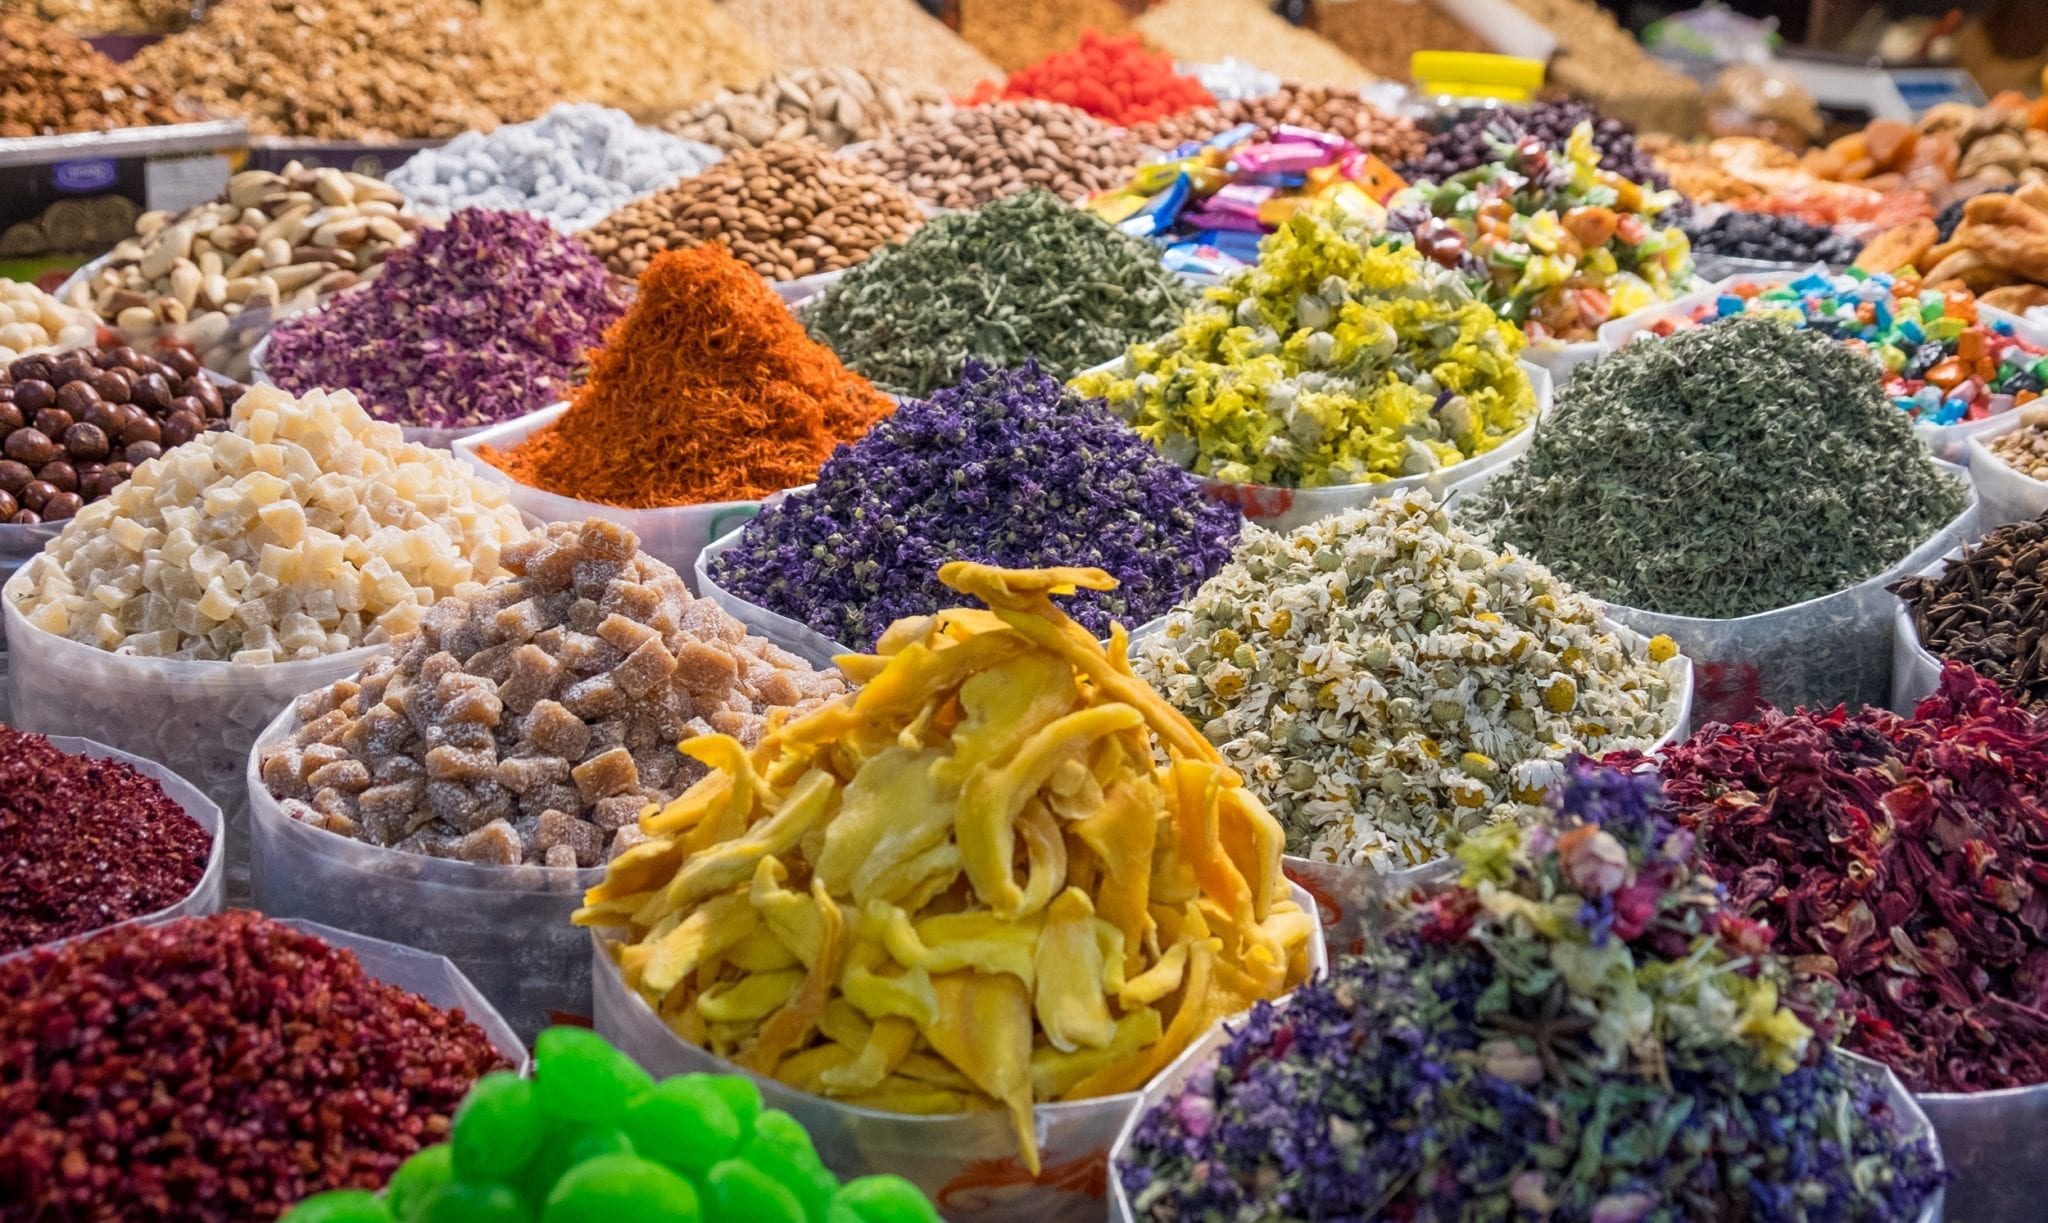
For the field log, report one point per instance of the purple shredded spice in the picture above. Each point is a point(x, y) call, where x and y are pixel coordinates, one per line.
point(480, 321)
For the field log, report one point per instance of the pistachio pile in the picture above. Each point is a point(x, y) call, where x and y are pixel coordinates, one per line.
point(275, 242)
point(982, 153)
point(834, 106)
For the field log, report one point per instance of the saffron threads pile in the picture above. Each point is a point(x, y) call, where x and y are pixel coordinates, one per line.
point(708, 390)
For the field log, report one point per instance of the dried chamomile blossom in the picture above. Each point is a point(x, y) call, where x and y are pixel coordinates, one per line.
point(1329, 362)
point(306, 530)
point(1388, 682)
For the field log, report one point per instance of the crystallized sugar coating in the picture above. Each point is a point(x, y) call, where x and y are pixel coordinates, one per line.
point(1388, 682)
point(573, 165)
point(307, 530)
point(532, 720)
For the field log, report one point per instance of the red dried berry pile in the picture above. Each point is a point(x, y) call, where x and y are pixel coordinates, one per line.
point(214, 1068)
point(1114, 79)
point(1907, 857)
point(85, 843)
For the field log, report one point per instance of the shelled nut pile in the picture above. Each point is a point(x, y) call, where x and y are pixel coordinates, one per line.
point(835, 106)
point(983, 153)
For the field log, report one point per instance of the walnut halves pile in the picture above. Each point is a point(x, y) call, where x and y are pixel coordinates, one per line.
point(533, 720)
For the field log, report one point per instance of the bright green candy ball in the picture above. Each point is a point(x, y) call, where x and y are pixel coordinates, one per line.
point(578, 1076)
point(456, 1202)
point(340, 1206)
point(621, 1189)
point(684, 1123)
point(596, 1144)
point(782, 1149)
point(738, 1192)
point(497, 1129)
point(881, 1199)
point(418, 1177)
point(740, 1093)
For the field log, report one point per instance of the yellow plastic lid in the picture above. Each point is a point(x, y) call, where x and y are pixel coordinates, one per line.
point(1473, 74)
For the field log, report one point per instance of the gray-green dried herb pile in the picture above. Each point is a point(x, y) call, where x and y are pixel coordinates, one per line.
point(1023, 277)
point(1721, 472)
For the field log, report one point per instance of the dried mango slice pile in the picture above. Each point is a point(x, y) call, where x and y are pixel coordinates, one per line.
point(967, 884)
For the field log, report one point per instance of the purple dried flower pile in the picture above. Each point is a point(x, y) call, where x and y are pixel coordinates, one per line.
point(480, 321)
point(1007, 467)
point(1579, 1031)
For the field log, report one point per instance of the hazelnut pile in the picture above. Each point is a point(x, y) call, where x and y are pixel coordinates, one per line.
point(52, 83)
point(74, 425)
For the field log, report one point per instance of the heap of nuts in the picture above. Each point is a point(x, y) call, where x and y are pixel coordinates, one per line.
point(984, 153)
point(276, 242)
point(1394, 139)
point(787, 209)
point(835, 106)
point(73, 425)
point(52, 83)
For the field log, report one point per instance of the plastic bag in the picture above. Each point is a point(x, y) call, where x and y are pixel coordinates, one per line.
point(205, 896)
point(506, 927)
point(198, 719)
point(430, 976)
point(1283, 509)
point(2004, 494)
point(425, 435)
point(672, 535)
point(967, 1163)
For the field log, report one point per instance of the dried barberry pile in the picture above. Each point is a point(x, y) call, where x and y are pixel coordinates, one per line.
point(214, 1068)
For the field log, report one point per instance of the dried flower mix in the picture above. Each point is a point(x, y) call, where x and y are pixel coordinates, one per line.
point(1330, 362)
point(1578, 1031)
point(215, 1068)
point(1019, 278)
point(534, 719)
point(307, 529)
point(1904, 857)
point(708, 390)
point(1115, 79)
point(1559, 245)
point(1009, 899)
point(1726, 471)
point(1008, 468)
point(591, 1133)
point(481, 320)
point(86, 842)
point(1389, 683)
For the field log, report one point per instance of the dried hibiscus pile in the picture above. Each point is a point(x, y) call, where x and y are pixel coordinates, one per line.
point(1908, 857)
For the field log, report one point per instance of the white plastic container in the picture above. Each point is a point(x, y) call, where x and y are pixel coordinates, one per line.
point(2004, 494)
point(1916, 672)
point(673, 535)
point(425, 435)
point(1559, 359)
point(795, 293)
point(1283, 509)
point(223, 342)
point(205, 896)
point(198, 719)
point(506, 927)
point(1200, 1058)
point(968, 1163)
point(1996, 1145)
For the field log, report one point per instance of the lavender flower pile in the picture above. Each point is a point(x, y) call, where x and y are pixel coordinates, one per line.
point(1008, 468)
point(1576, 1032)
point(478, 322)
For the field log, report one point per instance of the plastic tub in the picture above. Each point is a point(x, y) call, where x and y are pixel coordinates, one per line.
point(1916, 672)
point(1349, 897)
point(967, 1163)
point(205, 896)
point(223, 342)
point(1283, 509)
point(425, 435)
point(1200, 1057)
point(795, 293)
point(1996, 1145)
point(197, 719)
point(430, 976)
point(673, 535)
point(2004, 494)
point(506, 927)
point(1828, 650)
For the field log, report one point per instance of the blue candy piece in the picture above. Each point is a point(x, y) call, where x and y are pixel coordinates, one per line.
point(1728, 304)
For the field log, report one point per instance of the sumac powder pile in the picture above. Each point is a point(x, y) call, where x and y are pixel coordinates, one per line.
point(86, 842)
point(1907, 857)
point(214, 1068)
point(1989, 609)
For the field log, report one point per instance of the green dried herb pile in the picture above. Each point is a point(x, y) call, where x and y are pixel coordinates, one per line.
point(1023, 277)
point(1722, 472)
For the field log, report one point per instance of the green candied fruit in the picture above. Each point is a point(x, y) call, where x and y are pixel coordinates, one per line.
point(782, 1149)
point(685, 1123)
point(881, 1199)
point(738, 1192)
point(578, 1076)
point(340, 1206)
point(741, 1094)
point(497, 1130)
point(621, 1189)
point(456, 1202)
point(418, 1178)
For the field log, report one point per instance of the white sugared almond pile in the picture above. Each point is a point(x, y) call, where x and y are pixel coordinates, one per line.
point(306, 530)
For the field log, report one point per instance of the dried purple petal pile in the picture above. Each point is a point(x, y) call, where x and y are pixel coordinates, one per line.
point(478, 322)
point(1008, 468)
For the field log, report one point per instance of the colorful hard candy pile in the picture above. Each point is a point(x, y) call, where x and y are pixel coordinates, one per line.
point(926, 575)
